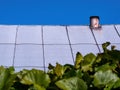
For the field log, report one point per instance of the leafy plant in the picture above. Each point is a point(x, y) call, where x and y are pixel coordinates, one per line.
point(7, 78)
point(38, 79)
point(104, 79)
point(73, 83)
point(90, 72)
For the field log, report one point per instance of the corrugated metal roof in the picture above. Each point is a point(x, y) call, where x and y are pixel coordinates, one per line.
point(35, 46)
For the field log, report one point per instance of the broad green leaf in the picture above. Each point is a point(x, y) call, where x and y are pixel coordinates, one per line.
point(88, 62)
point(7, 78)
point(109, 85)
point(73, 83)
point(21, 74)
point(36, 87)
point(78, 60)
point(102, 79)
point(117, 84)
point(104, 67)
point(36, 78)
point(61, 71)
point(89, 59)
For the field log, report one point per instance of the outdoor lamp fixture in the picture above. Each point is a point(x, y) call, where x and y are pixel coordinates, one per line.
point(94, 22)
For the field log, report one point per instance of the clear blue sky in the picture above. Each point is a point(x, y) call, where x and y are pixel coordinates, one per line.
point(55, 12)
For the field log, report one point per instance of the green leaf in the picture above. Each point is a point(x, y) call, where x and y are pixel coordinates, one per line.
point(117, 84)
point(88, 62)
point(21, 74)
point(69, 73)
point(103, 79)
point(7, 78)
point(50, 66)
point(109, 86)
point(36, 87)
point(78, 60)
point(115, 55)
point(79, 73)
point(59, 70)
point(104, 67)
point(36, 78)
point(73, 83)
point(104, 46)
point(87, 78)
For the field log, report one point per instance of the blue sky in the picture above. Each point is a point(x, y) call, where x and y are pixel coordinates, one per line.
point(58, 12)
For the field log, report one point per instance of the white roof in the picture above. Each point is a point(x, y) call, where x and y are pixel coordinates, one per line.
point(35, 46)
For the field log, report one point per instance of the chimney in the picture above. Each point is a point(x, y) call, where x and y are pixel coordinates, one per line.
point(94, 22)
